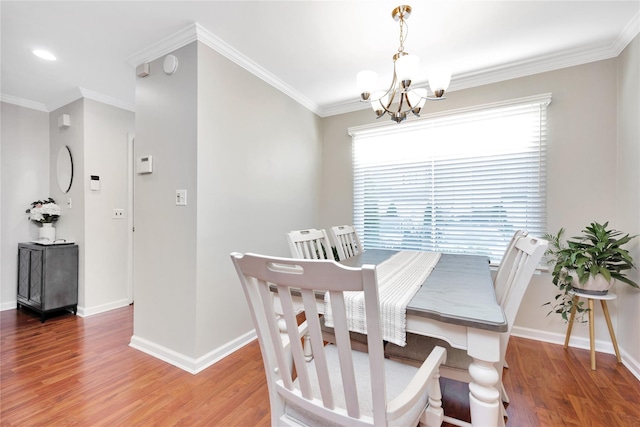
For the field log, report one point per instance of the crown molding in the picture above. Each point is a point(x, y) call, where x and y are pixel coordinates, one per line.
point(67, 98)
point(21, 102)
point(80, 92)
point(164, 46)
point(105, 99)
point(196, 32)
point(220, 46)
point(513, 70)
point(628, 34)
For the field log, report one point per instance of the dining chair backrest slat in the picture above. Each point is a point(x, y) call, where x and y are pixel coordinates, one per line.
point(346, 240)
point(310, 244)
point(501, 279)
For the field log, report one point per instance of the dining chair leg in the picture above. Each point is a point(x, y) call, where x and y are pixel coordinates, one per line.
point(613, 336)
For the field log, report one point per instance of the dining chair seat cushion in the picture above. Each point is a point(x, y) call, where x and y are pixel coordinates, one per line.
point(358, 340)
point(419, 347)
point(398, 375)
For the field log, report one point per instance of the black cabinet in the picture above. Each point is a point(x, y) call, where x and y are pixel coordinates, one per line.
point(47, 277)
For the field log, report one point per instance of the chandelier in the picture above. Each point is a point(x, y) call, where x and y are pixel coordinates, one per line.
point(401, 98)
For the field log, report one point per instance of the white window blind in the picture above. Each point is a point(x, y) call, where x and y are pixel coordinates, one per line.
point(460, 182)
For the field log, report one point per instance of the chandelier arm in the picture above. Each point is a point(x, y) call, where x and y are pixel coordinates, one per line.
point(391, 92)
point(428, 98)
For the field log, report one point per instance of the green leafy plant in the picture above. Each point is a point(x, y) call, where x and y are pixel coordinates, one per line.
point(597, 251)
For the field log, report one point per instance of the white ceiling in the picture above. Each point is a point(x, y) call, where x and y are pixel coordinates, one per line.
point(311, 50)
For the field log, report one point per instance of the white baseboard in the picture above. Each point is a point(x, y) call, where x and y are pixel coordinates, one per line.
point(11, 305)
point(82, 311)
point(602, 346)
point(186, 363)
point(90, 311)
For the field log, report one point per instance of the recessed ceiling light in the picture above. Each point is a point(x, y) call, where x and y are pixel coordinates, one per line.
point(44, 54)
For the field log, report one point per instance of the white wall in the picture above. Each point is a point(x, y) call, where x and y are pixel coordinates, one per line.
point(24, 157)
point(582, 172)
point(249, 157)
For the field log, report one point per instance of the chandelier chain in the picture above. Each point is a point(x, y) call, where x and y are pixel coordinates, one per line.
point(402, 35)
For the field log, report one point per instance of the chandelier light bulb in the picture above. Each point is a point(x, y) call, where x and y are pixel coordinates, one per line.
point(379, 100)
point(439, 82)
point(407, 67)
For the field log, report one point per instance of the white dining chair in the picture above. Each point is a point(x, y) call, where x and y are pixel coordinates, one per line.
point(310, 244)
point(527, 253)
point(346, 240)
point(338, 386)
point(501, 280)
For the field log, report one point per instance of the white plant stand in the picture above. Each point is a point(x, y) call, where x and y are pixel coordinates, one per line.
point(603, 301)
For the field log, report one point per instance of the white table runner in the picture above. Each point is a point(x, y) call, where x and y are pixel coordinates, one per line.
point(399, 278)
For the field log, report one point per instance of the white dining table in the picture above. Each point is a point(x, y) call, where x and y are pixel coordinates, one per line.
point(457, 303)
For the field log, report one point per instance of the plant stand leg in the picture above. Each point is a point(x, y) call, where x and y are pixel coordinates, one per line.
point(613, 336)
point(571, 317)
point(592, 333)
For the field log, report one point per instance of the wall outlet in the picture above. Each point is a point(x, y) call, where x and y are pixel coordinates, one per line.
point(118, 214)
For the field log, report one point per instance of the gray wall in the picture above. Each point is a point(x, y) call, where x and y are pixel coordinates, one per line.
point(583, 173)
point(249, 157)
point(71, 225)
point(165, 236)
point(105, 154)
point(259, 157)
point(24, 178)
point(628, 186)
point(97, 139)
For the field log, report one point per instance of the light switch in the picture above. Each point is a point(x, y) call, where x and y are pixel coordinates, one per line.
point(181, 197)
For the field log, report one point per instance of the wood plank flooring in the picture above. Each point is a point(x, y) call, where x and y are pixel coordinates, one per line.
point(73, 371)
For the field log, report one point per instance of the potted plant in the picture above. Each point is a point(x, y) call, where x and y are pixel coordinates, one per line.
point(590, 263)
point(45, 212)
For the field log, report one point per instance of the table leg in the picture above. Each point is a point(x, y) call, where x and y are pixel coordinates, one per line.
point(592, 344)
point(574, 306)
point(484, 398)
point(613, 336)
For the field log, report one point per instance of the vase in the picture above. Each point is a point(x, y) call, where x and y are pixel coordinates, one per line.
point(47, 232)
point(595, 285)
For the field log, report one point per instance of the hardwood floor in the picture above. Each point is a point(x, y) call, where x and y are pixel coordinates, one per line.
point(73, 371)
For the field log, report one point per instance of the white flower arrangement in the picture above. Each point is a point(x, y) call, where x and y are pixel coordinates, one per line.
point(44, 211)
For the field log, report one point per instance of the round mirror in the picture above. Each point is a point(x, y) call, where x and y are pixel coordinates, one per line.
point(64, 169)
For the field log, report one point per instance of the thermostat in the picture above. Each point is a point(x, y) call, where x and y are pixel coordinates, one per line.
point(144, 164)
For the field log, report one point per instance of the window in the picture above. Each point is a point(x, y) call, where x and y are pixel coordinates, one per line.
point(459, 182)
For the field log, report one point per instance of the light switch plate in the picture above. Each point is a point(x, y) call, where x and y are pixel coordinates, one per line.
point(181, 197)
